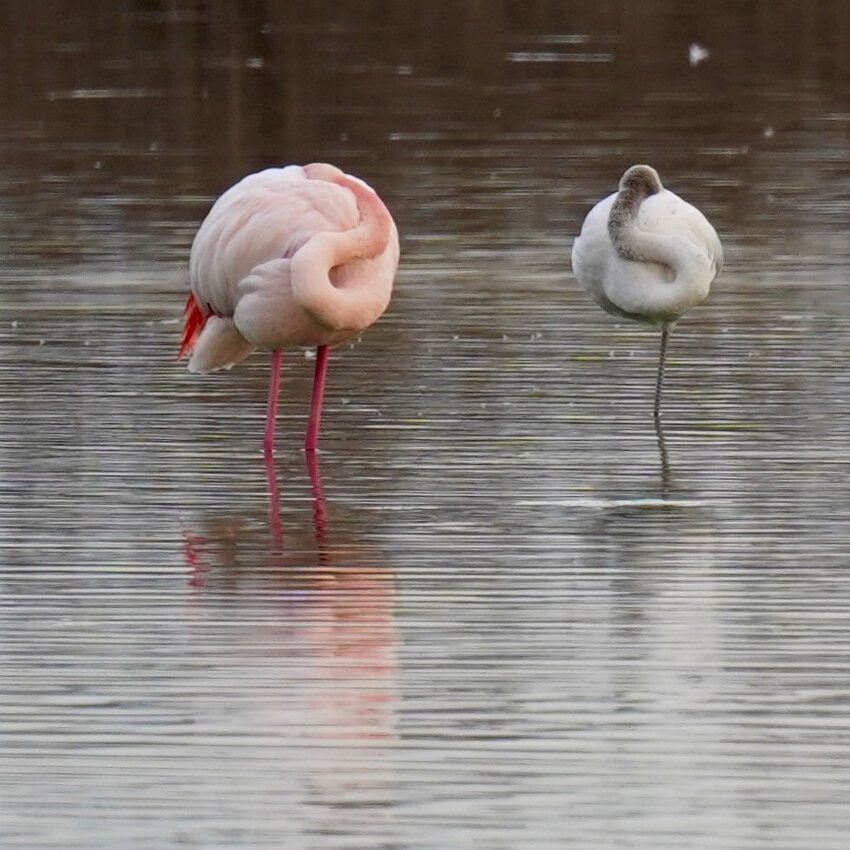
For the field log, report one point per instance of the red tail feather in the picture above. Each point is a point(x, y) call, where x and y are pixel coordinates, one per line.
point(194, 320)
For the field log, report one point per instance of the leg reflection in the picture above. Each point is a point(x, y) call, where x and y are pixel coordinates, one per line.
point(238, 539)
point(320, 520)
point(662, 452)
point(192, 544)
point(275, 522)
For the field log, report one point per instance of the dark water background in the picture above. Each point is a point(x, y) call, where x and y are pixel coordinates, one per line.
point(491, 619)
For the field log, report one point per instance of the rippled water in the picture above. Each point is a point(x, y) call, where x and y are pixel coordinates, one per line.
point(497, 615)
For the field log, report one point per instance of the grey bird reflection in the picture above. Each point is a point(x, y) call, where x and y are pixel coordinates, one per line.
point(666, 479)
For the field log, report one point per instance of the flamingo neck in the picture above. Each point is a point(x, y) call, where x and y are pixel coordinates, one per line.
point(627, 239)
point(632, 243)
point(333, 278)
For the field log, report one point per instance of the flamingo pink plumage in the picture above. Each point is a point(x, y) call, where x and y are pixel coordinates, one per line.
point(288, 256)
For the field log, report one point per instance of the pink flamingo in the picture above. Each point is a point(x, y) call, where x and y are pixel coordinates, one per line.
point(288, 256)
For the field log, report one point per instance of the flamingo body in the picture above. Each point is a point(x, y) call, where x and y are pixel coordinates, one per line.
point(648, 291)
point(644, 253)
point(300, 256)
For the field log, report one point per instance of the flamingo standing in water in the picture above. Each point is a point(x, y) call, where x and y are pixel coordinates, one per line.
point(645, 254)
point(288, 256)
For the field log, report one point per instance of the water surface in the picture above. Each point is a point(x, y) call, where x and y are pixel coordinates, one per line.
point(493, 615)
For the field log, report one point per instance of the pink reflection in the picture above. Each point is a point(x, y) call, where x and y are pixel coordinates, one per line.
point(318, 666)
point(337, 613)
point(320, 519)
point(275, 522)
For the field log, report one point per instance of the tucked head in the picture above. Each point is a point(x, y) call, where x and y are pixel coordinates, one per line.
point(641, 178)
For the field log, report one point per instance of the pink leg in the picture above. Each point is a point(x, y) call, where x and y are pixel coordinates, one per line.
point(271, 416)
point(312, 441)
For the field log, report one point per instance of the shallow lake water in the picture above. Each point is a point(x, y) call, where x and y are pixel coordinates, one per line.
point(497, 612)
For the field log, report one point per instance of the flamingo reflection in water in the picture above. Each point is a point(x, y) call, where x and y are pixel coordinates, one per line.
point(338, 606)
point(307, 618)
